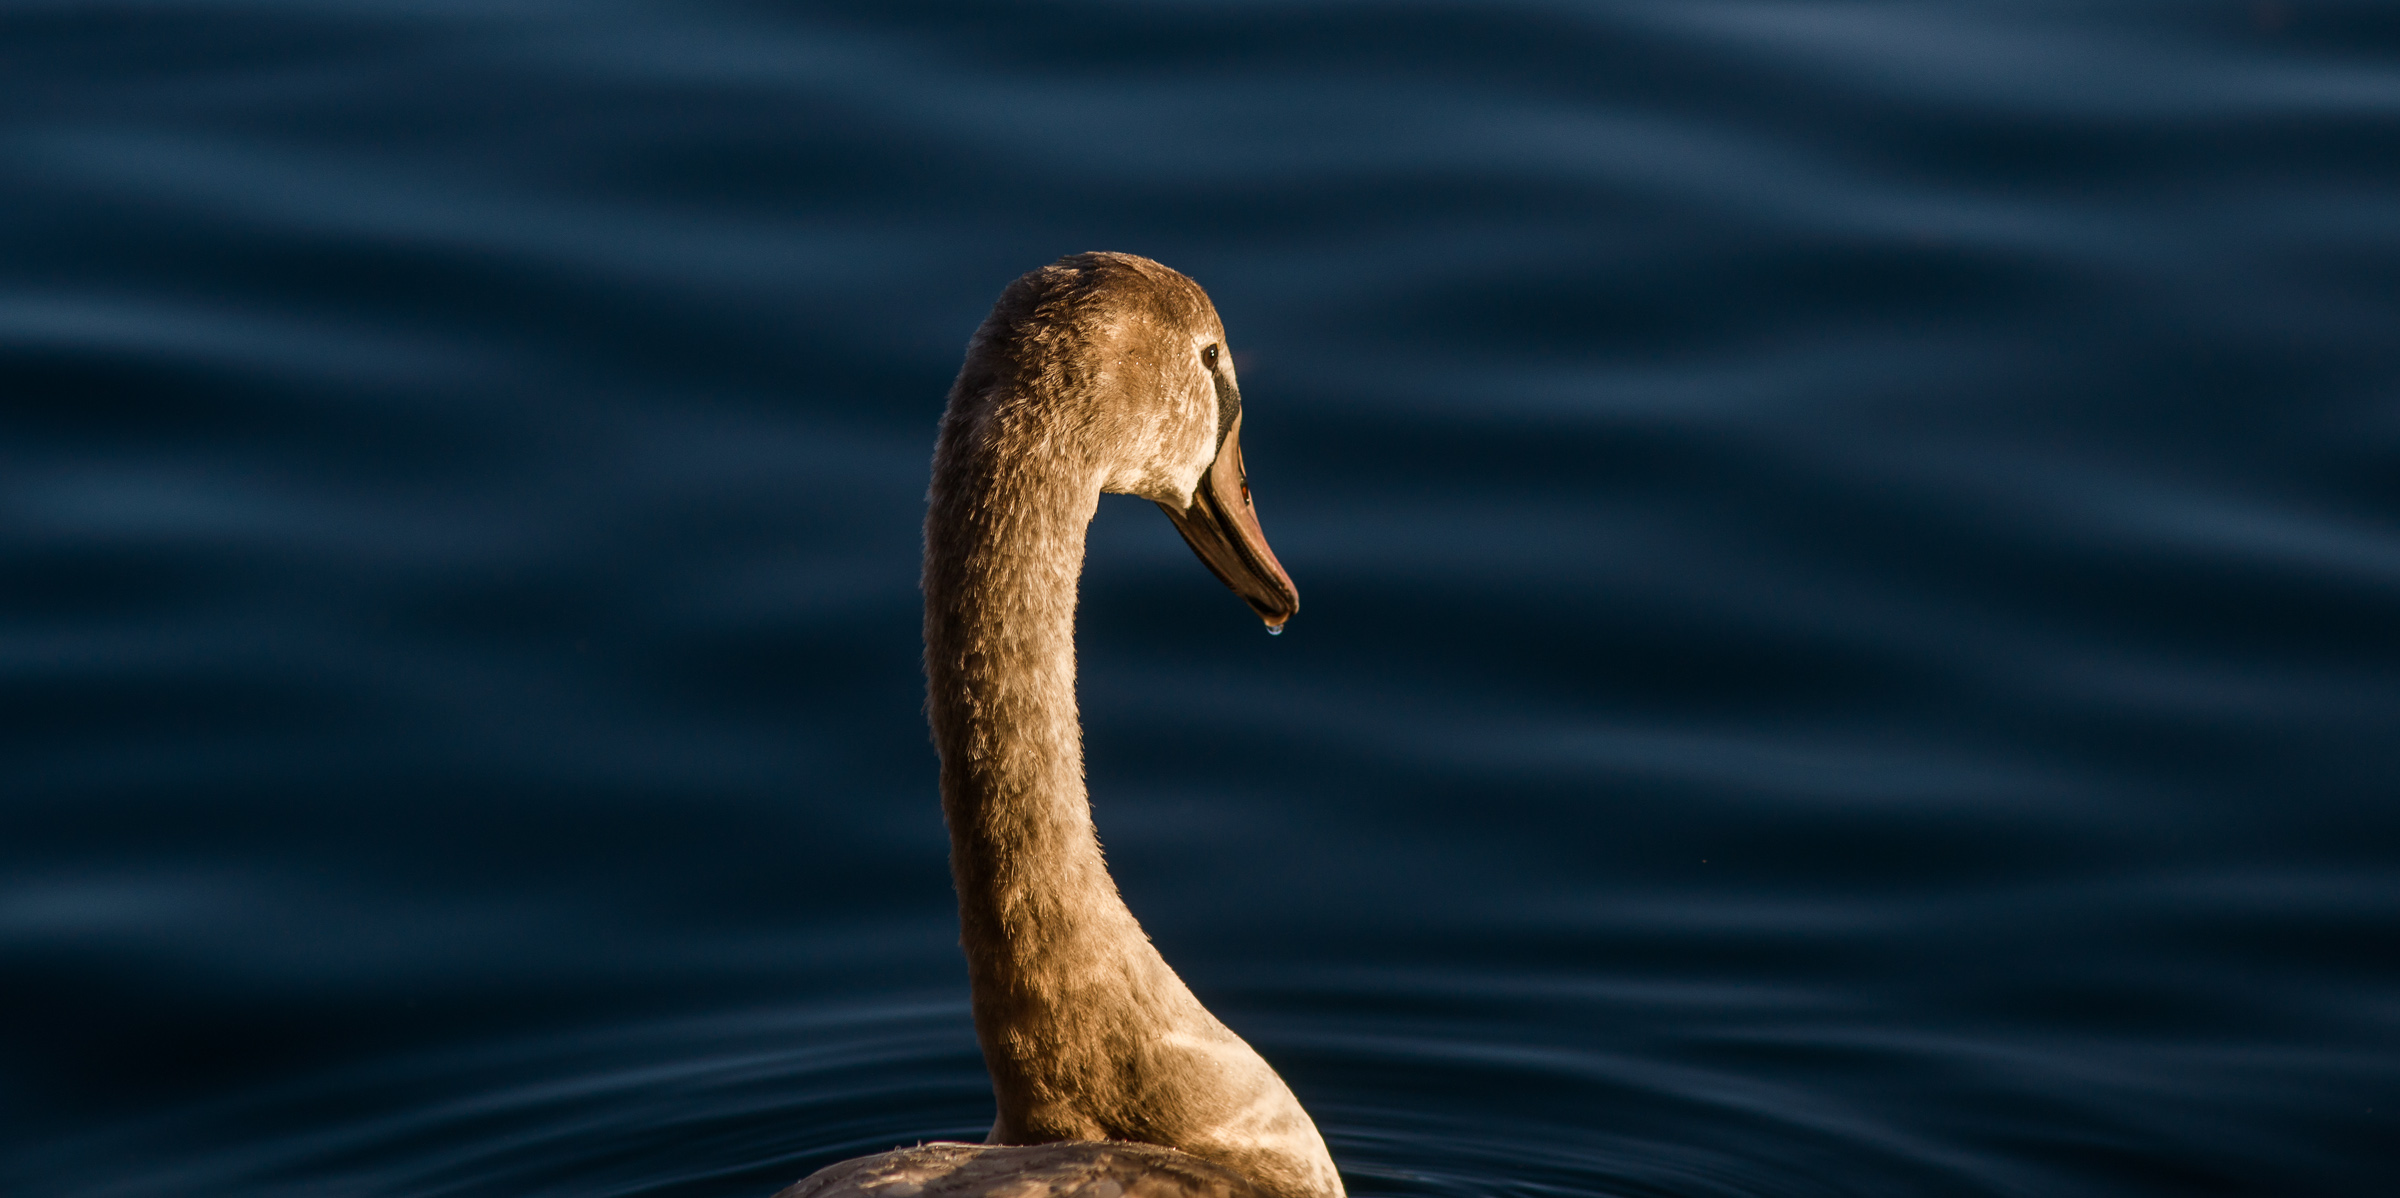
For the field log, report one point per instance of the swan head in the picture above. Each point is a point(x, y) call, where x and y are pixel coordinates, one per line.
point(1120, 364)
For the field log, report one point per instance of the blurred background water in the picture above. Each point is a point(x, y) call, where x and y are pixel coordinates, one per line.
point(1850, 558)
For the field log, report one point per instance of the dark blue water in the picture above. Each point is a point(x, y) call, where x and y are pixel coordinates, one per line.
point(1852, 558)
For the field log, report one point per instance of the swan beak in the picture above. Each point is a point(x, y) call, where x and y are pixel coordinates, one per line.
point(1221, 526)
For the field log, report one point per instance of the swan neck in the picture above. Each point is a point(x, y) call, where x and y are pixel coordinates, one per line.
point(1004, 552)
point(1086, 1031)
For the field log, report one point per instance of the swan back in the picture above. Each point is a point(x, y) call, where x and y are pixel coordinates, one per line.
point(1077, 1170)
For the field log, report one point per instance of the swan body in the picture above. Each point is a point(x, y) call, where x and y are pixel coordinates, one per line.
point(1098, 373)
point(1072, 1170)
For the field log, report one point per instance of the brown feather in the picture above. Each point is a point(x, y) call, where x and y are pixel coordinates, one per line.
point(1084, 378)
point(1077, 1170)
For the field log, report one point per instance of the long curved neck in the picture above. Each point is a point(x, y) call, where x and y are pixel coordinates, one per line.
point(1086, 1031)
point(1004, 549)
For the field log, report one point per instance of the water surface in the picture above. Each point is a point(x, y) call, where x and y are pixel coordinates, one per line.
point(1850, 557)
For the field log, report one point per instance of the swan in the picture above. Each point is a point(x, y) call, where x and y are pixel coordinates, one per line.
point(1097, 373)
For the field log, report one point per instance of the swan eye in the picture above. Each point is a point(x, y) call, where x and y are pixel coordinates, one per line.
point(1208, 357)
